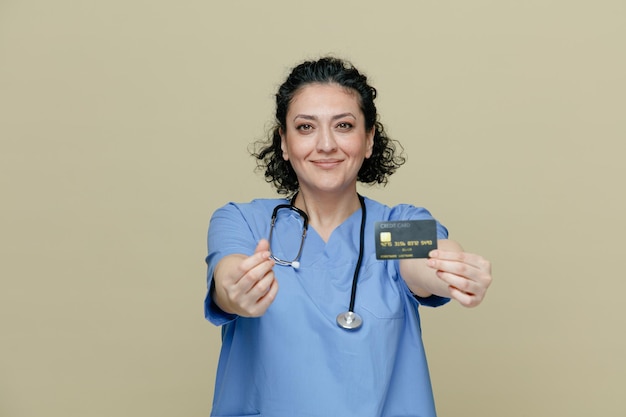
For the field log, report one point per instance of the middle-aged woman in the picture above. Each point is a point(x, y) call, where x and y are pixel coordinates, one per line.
point(287, 348)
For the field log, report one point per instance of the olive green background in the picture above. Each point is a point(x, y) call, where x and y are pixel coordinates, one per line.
point(124, 124)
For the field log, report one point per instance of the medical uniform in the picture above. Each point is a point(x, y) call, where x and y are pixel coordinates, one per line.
point(295, 360)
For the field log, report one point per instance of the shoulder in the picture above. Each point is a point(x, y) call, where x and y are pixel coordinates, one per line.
point(256, 207)
point(237, 227)
point(256, 214)
point(397, 212)
point(382, 212)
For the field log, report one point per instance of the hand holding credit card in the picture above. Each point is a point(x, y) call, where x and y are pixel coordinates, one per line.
point(405, 239)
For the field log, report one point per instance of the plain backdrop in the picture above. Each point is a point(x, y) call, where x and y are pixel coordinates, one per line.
point(125, 123)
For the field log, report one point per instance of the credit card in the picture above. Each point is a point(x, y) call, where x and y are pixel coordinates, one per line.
point(405, 239)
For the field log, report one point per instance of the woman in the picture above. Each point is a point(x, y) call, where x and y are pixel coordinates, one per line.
point(277, 291)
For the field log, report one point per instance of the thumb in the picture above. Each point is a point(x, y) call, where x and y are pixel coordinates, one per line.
point(262, 246)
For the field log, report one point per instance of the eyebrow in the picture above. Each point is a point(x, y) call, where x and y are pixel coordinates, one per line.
point(310, 117)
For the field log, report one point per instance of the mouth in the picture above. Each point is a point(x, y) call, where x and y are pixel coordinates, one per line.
point(327, 163)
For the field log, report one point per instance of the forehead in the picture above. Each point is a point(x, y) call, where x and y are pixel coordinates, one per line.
point(325, 96)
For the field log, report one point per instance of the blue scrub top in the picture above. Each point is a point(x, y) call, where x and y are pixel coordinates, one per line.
point(295, 359)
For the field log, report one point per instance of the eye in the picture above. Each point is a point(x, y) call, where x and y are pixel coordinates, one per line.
point(345, 126)
point(304, 127)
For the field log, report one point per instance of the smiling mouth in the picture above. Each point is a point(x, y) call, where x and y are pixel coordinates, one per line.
point(330, 163)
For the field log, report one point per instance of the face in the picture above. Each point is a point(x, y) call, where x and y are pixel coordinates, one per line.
point(325, 138)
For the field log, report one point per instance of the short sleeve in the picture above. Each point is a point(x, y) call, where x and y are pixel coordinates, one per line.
point(432, 301)
point(410, 212)
point(229, 233)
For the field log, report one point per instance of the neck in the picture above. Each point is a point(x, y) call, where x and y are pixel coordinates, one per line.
point(327, 212)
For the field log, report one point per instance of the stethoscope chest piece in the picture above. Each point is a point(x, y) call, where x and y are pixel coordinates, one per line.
point(349, 320)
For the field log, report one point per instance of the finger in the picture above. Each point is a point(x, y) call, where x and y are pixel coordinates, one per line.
point(465, 299)
point(260, 255)
point(467, 292)
point(252, 276)
point(262, 246)
point(463, 257)
point(481, 273)
point(260, 305)
point(262, 285)
point(269, 294)
point(470, 283)
point(461, 283)
point(454, 267)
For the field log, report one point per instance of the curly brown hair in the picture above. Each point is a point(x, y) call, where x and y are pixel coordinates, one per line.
point(387, 154)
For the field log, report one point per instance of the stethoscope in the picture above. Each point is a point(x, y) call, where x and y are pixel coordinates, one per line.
point(348, 320)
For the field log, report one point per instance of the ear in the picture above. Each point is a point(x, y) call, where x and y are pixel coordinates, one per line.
point(370, 142)
point(283, 144)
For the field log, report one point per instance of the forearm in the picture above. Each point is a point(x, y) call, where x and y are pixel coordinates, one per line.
point(422, 279)
point(245, 285)
point(224, 271)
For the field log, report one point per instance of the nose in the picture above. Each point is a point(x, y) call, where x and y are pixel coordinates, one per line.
point(326, 141)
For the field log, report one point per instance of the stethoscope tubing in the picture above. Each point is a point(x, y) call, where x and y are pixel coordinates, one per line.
point(348, 320)
point(359, 261)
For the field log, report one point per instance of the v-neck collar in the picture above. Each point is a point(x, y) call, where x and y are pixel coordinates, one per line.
point(344, 239)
